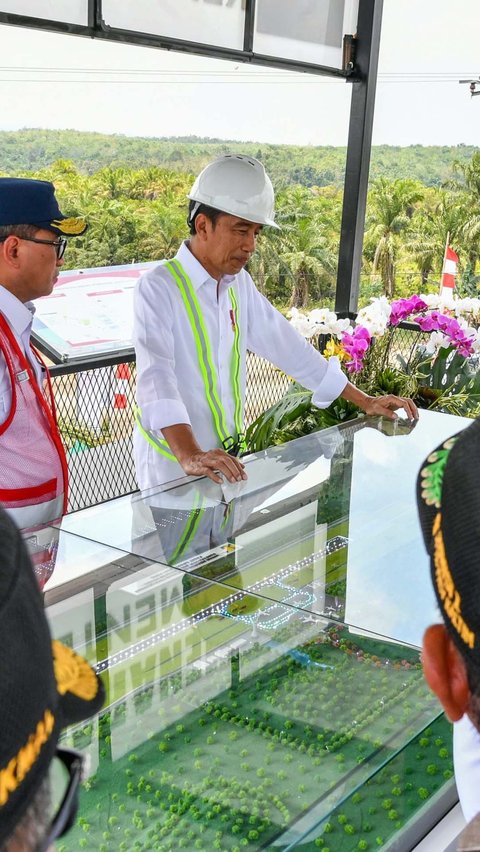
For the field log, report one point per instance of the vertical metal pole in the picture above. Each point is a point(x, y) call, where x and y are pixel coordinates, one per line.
point(358, 156)
point(249, 25)
point(95, 17)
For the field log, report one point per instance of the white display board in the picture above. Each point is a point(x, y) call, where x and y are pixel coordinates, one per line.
point(90, 312)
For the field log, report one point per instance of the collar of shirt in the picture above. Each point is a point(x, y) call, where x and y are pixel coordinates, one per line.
point(196, 272)
point(18, 314)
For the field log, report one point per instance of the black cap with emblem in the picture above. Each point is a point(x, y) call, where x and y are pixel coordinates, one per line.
point(44, 686)
point(448, 498)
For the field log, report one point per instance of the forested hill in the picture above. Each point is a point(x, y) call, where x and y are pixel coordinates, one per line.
point(36, 149)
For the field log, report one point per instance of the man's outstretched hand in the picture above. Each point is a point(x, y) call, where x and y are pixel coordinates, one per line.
point(381, 406)
point(385, 406)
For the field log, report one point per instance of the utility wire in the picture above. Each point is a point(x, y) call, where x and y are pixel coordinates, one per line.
point(236, 72)
point(156, 76)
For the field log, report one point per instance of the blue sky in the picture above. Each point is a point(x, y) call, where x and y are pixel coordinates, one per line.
point(67, 82)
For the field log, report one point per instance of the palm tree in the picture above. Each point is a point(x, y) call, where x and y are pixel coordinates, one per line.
point(308, 258)
point(265, 265)
point(305, 242)
point(390, 208)
point(468, 188)
point(162, 230)
point(441, 217)
point(112, 183)
point(154, 183)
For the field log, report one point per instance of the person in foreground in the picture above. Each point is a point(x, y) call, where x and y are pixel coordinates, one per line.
point(195, 317)
point(44, 686)
point(448, 495)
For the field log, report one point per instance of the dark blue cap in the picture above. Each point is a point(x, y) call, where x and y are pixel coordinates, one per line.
point(32, 202)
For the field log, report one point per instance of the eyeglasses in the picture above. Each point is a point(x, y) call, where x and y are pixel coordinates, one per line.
point(60, 245)
point(67, 776)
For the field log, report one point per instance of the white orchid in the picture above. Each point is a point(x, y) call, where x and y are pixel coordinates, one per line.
point(319, 321)
point(468, 307)
point(333, 325)
point(435, 302)
point(375, 316)
point(302, 324)
point(435, 342)
point(448, 303)
point(322, 315)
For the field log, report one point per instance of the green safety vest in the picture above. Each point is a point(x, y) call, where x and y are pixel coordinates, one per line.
point(234, 445)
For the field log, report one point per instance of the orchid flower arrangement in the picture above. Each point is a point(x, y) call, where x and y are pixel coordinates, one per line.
point(439, 369)
point(452, 323)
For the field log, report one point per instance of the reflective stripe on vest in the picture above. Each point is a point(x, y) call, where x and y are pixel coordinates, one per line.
point(188, 534)
point(33, 465)
point(235, 370)
point(207, 369)
point(158, 444)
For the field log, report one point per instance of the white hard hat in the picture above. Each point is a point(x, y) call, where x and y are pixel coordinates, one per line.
point(238, 185)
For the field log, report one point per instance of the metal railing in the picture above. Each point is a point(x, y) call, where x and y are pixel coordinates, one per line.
point(95, 404)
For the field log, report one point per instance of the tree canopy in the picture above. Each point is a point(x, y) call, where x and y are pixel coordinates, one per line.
point(133, 193)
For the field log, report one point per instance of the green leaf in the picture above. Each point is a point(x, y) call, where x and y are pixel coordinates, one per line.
point(297, 402)
point(294, 416)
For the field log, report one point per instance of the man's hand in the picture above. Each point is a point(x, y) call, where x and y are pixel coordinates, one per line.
point(196, 462)
point(213, 463)
point(383, 406)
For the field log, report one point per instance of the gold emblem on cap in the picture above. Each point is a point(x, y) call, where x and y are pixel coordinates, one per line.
point(75, 225)
point(449, 595)
point(73, 673)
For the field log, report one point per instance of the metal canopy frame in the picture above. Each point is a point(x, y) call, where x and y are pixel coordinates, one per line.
point(360, 70)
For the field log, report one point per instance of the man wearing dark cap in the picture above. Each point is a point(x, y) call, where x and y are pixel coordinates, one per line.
point(44, 686)
point(448, 494)
point(33, 239)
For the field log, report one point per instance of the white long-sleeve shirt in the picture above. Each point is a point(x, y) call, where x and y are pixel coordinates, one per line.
point(466, 763)
point(19, 316)
point(170, 387)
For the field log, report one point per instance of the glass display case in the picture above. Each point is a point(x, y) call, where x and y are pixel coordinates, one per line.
point(259, 647)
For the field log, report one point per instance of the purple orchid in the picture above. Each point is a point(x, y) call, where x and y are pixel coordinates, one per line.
point(450, 327)
point(356, 346)
point(402, 308)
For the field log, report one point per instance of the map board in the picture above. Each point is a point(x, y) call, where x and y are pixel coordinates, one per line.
point(89, 313)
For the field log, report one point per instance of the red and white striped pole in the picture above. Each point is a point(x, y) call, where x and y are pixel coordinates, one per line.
point(123, 376)
point(449, 271)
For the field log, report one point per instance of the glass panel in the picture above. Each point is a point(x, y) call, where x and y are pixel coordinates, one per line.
point(306, 30)
point(220, 735)
point(204, 21)
point(70, 11)
point(251, 701)
point(325, 524)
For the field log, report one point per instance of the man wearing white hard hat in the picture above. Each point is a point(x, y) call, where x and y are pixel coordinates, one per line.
point(195, 318)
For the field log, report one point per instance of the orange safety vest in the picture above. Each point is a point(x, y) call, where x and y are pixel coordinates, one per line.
point(33, 465)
